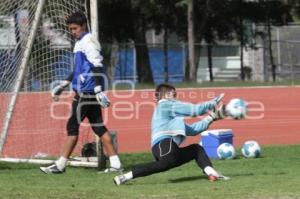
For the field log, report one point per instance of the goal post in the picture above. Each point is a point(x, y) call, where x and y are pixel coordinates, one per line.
point(95, 32)
point(35, 53)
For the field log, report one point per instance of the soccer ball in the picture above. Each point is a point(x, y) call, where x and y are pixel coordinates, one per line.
point(236, 108)
point(226, 151)
point(251, 149)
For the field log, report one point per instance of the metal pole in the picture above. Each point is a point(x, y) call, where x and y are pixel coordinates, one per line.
point(95, 33)
point(278, 47)
point(94, 18)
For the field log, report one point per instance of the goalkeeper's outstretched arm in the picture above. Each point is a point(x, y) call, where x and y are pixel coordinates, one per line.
point(189, 109)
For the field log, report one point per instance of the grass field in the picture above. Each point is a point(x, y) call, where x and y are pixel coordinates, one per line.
point(275, 175)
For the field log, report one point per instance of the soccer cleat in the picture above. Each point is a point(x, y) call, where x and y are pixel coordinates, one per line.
point(52, 169)
point(213, 178)
point(221, 177)
point(120, 179)
point(111, 169)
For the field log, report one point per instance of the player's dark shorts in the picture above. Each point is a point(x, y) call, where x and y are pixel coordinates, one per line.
point(85, 105)
point(168, 155)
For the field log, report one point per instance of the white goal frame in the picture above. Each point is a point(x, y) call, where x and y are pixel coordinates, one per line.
point(85, 162)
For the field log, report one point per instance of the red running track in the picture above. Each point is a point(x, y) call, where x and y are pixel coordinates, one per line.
point(39, 123)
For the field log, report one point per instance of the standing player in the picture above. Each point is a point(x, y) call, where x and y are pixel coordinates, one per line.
point(168, 132)
point(88, 83)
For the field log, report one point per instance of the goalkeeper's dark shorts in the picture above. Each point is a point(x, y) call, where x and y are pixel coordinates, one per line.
point(168, 155)
point(85, 105)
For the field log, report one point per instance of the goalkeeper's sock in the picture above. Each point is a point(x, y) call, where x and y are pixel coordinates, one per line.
point(128, 175)
point(115, 162)
point(61, 163)
point(210, 171)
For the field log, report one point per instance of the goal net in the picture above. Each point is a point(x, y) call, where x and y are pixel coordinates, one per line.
point(35, 53)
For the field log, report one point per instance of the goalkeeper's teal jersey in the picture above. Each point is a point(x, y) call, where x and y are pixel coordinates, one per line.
point(168, 120)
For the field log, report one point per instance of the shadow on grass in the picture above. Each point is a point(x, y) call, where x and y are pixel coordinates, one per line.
point(190, 178)
point(194, 178)
point(7, 166)
point(258, 174)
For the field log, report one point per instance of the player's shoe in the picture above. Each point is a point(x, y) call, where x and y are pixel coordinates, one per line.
point(52, 169)
point(213, 178)
point(112, 169)
point(120, 179)
point(221, 177)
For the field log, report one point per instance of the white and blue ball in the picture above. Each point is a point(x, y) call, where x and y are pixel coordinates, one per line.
point(251, 149)
point(237, 108)
point(226, 151)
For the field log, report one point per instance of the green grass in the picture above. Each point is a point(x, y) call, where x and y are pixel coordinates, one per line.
point(274, 175)
point(207, 84)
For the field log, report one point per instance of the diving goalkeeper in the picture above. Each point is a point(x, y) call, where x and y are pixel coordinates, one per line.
point(169, 130)
point(88, 85)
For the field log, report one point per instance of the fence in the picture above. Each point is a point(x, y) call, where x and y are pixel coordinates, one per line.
point(126, 68)
point(285, 49)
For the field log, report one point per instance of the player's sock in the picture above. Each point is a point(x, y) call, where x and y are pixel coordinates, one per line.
point(121, 179)
point(210, 171)
point(61, 163)
point(115, 162)
point(128, 175)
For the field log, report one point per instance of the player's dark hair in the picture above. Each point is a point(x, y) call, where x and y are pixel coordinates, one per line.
point(162, 89)
point(77, 18)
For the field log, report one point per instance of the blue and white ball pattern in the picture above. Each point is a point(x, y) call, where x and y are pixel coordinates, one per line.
point(237, 108)
point(226, 151)
point(251, 149)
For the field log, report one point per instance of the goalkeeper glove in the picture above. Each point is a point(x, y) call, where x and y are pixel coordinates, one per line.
point(101, 97)
point(57, 90)
point(218, 98)
point(218, 113)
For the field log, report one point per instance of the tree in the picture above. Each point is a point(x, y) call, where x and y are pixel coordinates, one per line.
point(141, 12)
point(214, 21)
point(227, 22)
point(114, 30)
point(278, 19)
point(191, 41)
point(130, 23)
point(166, 17)
point(274, 13)
point(241, 33)
point(189, 19)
